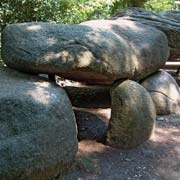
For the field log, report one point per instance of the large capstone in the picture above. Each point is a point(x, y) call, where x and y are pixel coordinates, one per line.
point(133, 115)
point(91, 53)
point(164, 92)
point(37, 128)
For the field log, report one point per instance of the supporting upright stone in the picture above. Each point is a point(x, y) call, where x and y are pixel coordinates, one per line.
point(38, 138)
point(132, 117)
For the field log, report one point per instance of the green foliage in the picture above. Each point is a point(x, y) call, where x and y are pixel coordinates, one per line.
point(159, 5)
point(121, 4)
point(13, 11)
point(64, 11)
point(70, 11)
point(83, 10)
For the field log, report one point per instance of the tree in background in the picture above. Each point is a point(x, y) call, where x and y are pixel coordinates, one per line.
point(131, 3)
point(136, 3)
point(160, 5)
point(120, 4)
point(70, 11)
point(63, 11)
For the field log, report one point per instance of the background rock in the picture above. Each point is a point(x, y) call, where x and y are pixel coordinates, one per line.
point(173, 15)
point(132, 117)
point(164, 92)
point(37, 128)
point(169, 24)
point(95, 55)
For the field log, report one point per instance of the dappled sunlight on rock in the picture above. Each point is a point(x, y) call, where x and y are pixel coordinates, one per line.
point(124, 29)
point(38, 137)
point(63, 55)
point(94, 53)
point(34, 27)
point(40, 94)
point(131, 25)
point(84, 59)
point(173, 91)
point(79, 58)
point(52, 41)
point(109, 24)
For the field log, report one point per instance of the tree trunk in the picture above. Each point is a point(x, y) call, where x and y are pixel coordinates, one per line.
point(135, 3)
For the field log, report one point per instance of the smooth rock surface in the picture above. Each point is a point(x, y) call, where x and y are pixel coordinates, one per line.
point(38, 138)
point(132, 117)
point(164, 92)
point(91, 53)
point(169, 24)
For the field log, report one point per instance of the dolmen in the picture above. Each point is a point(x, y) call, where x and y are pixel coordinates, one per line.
point(121, 57)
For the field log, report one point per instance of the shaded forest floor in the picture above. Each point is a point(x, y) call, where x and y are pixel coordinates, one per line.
point(157, 159)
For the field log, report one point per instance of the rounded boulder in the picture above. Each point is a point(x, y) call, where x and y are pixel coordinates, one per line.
point(164, 92)
point(132, 117)
point(38, 138)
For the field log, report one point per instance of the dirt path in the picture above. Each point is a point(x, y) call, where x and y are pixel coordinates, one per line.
point(157, 159)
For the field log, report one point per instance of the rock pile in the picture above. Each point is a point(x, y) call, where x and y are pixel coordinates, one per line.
point(38, 136)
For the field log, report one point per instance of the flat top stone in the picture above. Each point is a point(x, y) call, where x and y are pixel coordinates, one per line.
point(97, 52)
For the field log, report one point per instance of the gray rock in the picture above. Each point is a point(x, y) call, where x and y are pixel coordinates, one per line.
point(37, 128)
point(164, 92)
point(148, 48)
point(89, 96)
point(90, 126)
point(170, 26)
point(133, 115)
point(173, 15)
point(96, 55)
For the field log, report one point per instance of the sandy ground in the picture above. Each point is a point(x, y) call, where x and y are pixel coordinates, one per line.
point(156, 159)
